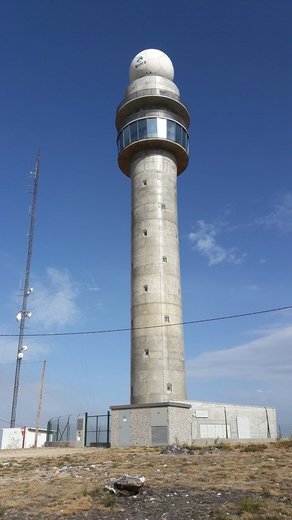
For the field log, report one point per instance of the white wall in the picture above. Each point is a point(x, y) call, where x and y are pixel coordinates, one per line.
point(17, 438)
point(213, 420)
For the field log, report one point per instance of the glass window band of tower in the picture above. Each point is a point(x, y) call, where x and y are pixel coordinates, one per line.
point(153, 127)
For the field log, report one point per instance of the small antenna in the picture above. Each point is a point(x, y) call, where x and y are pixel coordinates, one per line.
point(24, 312)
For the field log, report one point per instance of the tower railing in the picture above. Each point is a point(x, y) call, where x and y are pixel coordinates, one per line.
point(152, 92)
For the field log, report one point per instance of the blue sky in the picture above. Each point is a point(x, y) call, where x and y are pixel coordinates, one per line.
point(64, 68)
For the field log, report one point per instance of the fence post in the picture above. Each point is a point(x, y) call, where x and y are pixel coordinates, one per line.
point(58, 425)
point(68, 428)
point(48, 430)
point(108, 429)
point(85, 428)
point(226, 426)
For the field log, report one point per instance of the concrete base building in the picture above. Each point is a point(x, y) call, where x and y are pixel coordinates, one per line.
point(190, 422)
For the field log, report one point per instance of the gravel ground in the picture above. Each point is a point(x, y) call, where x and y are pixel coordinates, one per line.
point(250, 483)
point(40, 453)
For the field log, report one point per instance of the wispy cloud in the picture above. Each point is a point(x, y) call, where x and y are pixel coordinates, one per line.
point(252, 287)
point(266, 358)
point(280, 217)
point(54, 302)
point(8, 350)
point(204, 240)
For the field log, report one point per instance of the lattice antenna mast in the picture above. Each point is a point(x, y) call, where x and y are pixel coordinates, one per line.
point(24, 312)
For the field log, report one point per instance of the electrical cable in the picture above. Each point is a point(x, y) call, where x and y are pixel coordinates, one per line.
point(3, 420)
point(23, 363)
point(128, 329)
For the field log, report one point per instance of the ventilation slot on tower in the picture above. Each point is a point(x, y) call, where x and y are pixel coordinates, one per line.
point(162, 205)
point(145, 232)
point(164, 259)
point(166, 319)
point(145, 287)
point(146, 352)
point(169, 387)
point(144, 182)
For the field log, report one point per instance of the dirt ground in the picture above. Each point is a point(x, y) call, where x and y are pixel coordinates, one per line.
point(246, 482)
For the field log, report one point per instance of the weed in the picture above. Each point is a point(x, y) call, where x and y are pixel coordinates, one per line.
point(95, 492)
point(218, 515)
point(192, 447)
point(251, 448)
point(224, 446)
point(2, 511)
point(84, 490)
point(108, 500)
point(266, 493)
point(284, 444)
point(248, 505)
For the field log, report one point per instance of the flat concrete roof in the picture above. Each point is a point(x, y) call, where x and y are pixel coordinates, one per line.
point(176, 404)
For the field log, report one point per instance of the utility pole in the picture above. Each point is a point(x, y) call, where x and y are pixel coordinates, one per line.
point(37, 422)
point(24, 312)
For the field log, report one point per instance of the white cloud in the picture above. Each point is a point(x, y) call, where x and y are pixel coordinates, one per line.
point(54, 304)
point(8, 350)
point(252, 287)
point(266, 358)
point(280, 217)
point(204, 240)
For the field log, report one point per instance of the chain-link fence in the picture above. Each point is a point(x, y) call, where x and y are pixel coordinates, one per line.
point(89, 430)
point(62, 429)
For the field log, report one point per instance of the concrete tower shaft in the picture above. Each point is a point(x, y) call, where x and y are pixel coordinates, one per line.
point(152, 124)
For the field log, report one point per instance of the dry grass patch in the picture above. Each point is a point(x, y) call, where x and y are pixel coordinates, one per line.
point(73, 482)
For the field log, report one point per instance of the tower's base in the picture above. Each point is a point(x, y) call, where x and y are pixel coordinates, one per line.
point(187, 422)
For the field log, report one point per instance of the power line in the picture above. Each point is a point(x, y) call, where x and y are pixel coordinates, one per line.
point(23, 363)
point(127, 329)
point(7, 422)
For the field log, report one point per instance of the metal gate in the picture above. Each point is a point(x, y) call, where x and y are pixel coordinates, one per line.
point(97, 430)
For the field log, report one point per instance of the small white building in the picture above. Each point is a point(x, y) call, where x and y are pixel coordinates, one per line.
point(17, 438)
point(188, 422)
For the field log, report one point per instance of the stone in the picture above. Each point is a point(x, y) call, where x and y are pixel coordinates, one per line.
point(125, 485)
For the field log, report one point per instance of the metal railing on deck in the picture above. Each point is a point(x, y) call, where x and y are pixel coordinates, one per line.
point(151, 92)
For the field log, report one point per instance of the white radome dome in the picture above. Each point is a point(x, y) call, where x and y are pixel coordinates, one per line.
point(151, 62)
